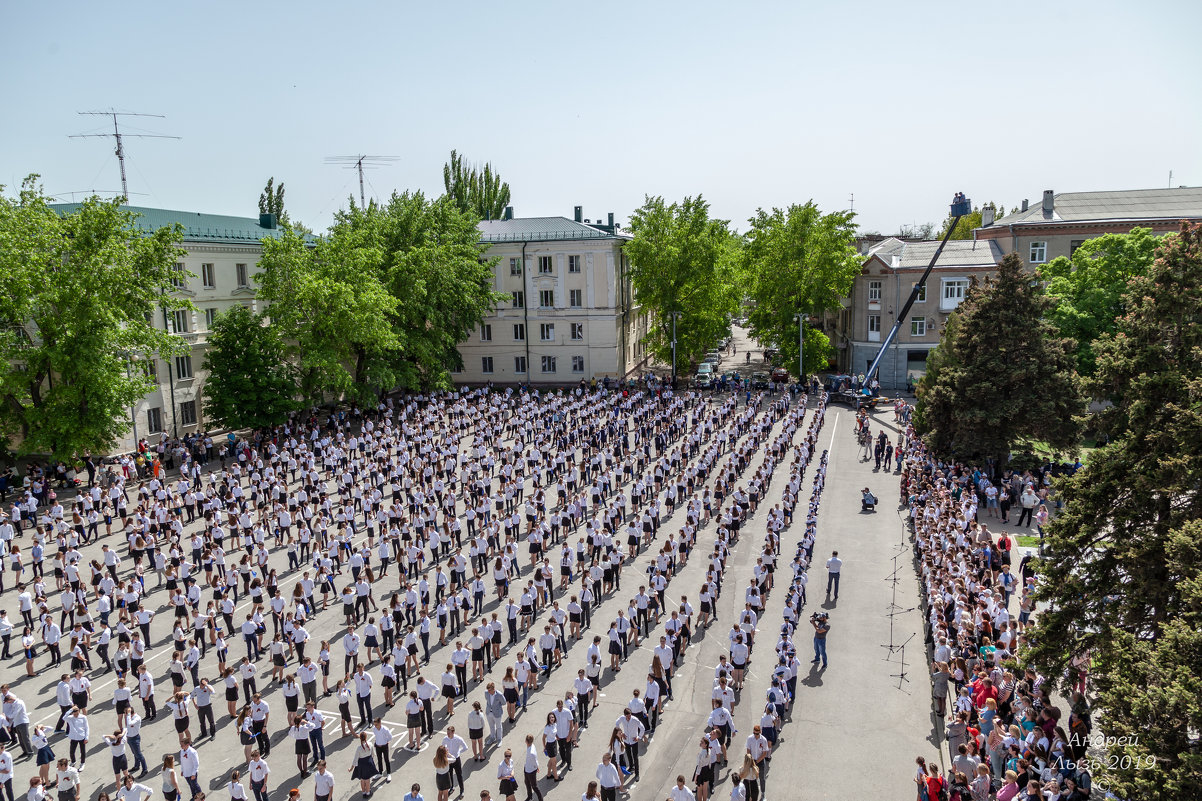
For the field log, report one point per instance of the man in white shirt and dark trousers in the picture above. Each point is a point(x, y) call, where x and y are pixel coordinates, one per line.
point(834, 566)
point(609, 777)
point(633, 731)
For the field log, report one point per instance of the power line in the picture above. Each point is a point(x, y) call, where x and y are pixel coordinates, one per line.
point(118, 135)
point(360, 162)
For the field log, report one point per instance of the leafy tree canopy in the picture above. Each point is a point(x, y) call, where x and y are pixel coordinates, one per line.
point(683, 261)
point(250, 382)
point(1003, 375)
point(476, 190)
point(79, 296)
point(798, 261)
point(1123, 583)
point(1087, 289)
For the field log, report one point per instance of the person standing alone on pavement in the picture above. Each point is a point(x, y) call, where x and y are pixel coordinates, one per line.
point(834, 566)
point(821, 628)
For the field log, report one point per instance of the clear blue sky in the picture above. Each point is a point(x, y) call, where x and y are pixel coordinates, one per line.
point(598, 104)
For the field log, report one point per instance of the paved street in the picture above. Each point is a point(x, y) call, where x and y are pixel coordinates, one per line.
point(855, 728)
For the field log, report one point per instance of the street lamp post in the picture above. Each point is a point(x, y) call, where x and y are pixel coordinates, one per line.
point(801, 345)
point(674, 316)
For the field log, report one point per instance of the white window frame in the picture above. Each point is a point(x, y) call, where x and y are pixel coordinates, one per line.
point(486, 332)
point(922, 293)
point(548, 364)
point(543, 296)
point(1038, 252)
point(952, 292)
point(574, 263)
point(576, 298)
point(519, 364)
point(208, 275)
point(183, 367)
point(519, 299)
point(242, 275)
point(874, 291)
point(546, 332)
point(577, 331)
point(179, 321)
point(874, 330)
point(546, 265)
point(918, 326)
point(515, 266)
point(519, 332)
point(577, 364)
point(210, 318)
point(154, 420)
point(486, 365)
point(178, 279)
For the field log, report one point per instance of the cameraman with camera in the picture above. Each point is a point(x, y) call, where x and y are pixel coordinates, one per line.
point(820, 622)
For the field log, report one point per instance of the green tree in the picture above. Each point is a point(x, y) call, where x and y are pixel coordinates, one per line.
point(1125, 585)
point(798, 260)
point(250, 382)
point(271, 201)
point(329, 305)
point(478, 191)
point(80, 294)
point(682, 261)
point(428, 256)
point(1087, 288)
point(1004, 376)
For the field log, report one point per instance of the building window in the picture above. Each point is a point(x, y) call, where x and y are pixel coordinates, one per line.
point(1039, 252)
point(575, 296)
point(210, 318)
point(954, 290)
point(519, 364)
point(515, 266)
point(177, 276)
point(150, 368)
point(1073, 245)
point(577, 364)
point(154, 421)
point(486, 364)
point(179, 321)
point(183, 367)
point(545, 265)
point(486, 332)
point(187, 413)
point(546, 332)
point(243, 278)
point(519, 331)
point(546, 298)
point(548, 364)
point(874, 328)
point(208, 276)
point(577, 330)
point(922, 293)
point(874, 291)
point(519, 299)
point(918, 327)
point(573, 264)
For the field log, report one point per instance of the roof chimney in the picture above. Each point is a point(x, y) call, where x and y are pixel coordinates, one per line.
point(611, 219)
point(987, 216)
point(579, 213)
point(268, 221)
point(1024, 204)
point(508, 213)
point(1049, 200)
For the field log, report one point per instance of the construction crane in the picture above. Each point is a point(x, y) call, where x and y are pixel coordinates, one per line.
point(118, 135)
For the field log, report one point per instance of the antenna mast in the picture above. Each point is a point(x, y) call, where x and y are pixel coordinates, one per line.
point(116, 134)
point(359, 162)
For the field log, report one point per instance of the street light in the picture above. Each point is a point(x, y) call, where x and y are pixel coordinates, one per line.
point(674, 316)
point(800, 319)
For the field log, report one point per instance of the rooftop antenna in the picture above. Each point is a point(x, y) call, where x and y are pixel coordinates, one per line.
point(89, 192)
point(852, 200)
point(359, 163)
point(116, 134)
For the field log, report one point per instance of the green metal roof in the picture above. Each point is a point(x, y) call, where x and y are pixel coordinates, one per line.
point(198, 227)
point(539, 229)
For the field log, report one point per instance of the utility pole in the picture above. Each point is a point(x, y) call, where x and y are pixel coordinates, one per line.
point(359, 162)
point(117, 134)
point(674, 315)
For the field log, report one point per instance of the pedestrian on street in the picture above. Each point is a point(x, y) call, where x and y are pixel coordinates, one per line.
point(821, 629)
point(834, 567)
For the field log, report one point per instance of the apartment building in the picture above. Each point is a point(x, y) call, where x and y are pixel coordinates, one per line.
point(1062, 222)
point(891, 269)
point(569, 311)
point(222, 254)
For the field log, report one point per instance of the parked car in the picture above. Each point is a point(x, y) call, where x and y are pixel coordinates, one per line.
point(759, 380)
point(703, 380)
point(780, 375)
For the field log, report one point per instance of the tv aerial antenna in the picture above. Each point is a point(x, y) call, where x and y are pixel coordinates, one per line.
point(360, 163)
point(118, 135)
point(89, 192)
